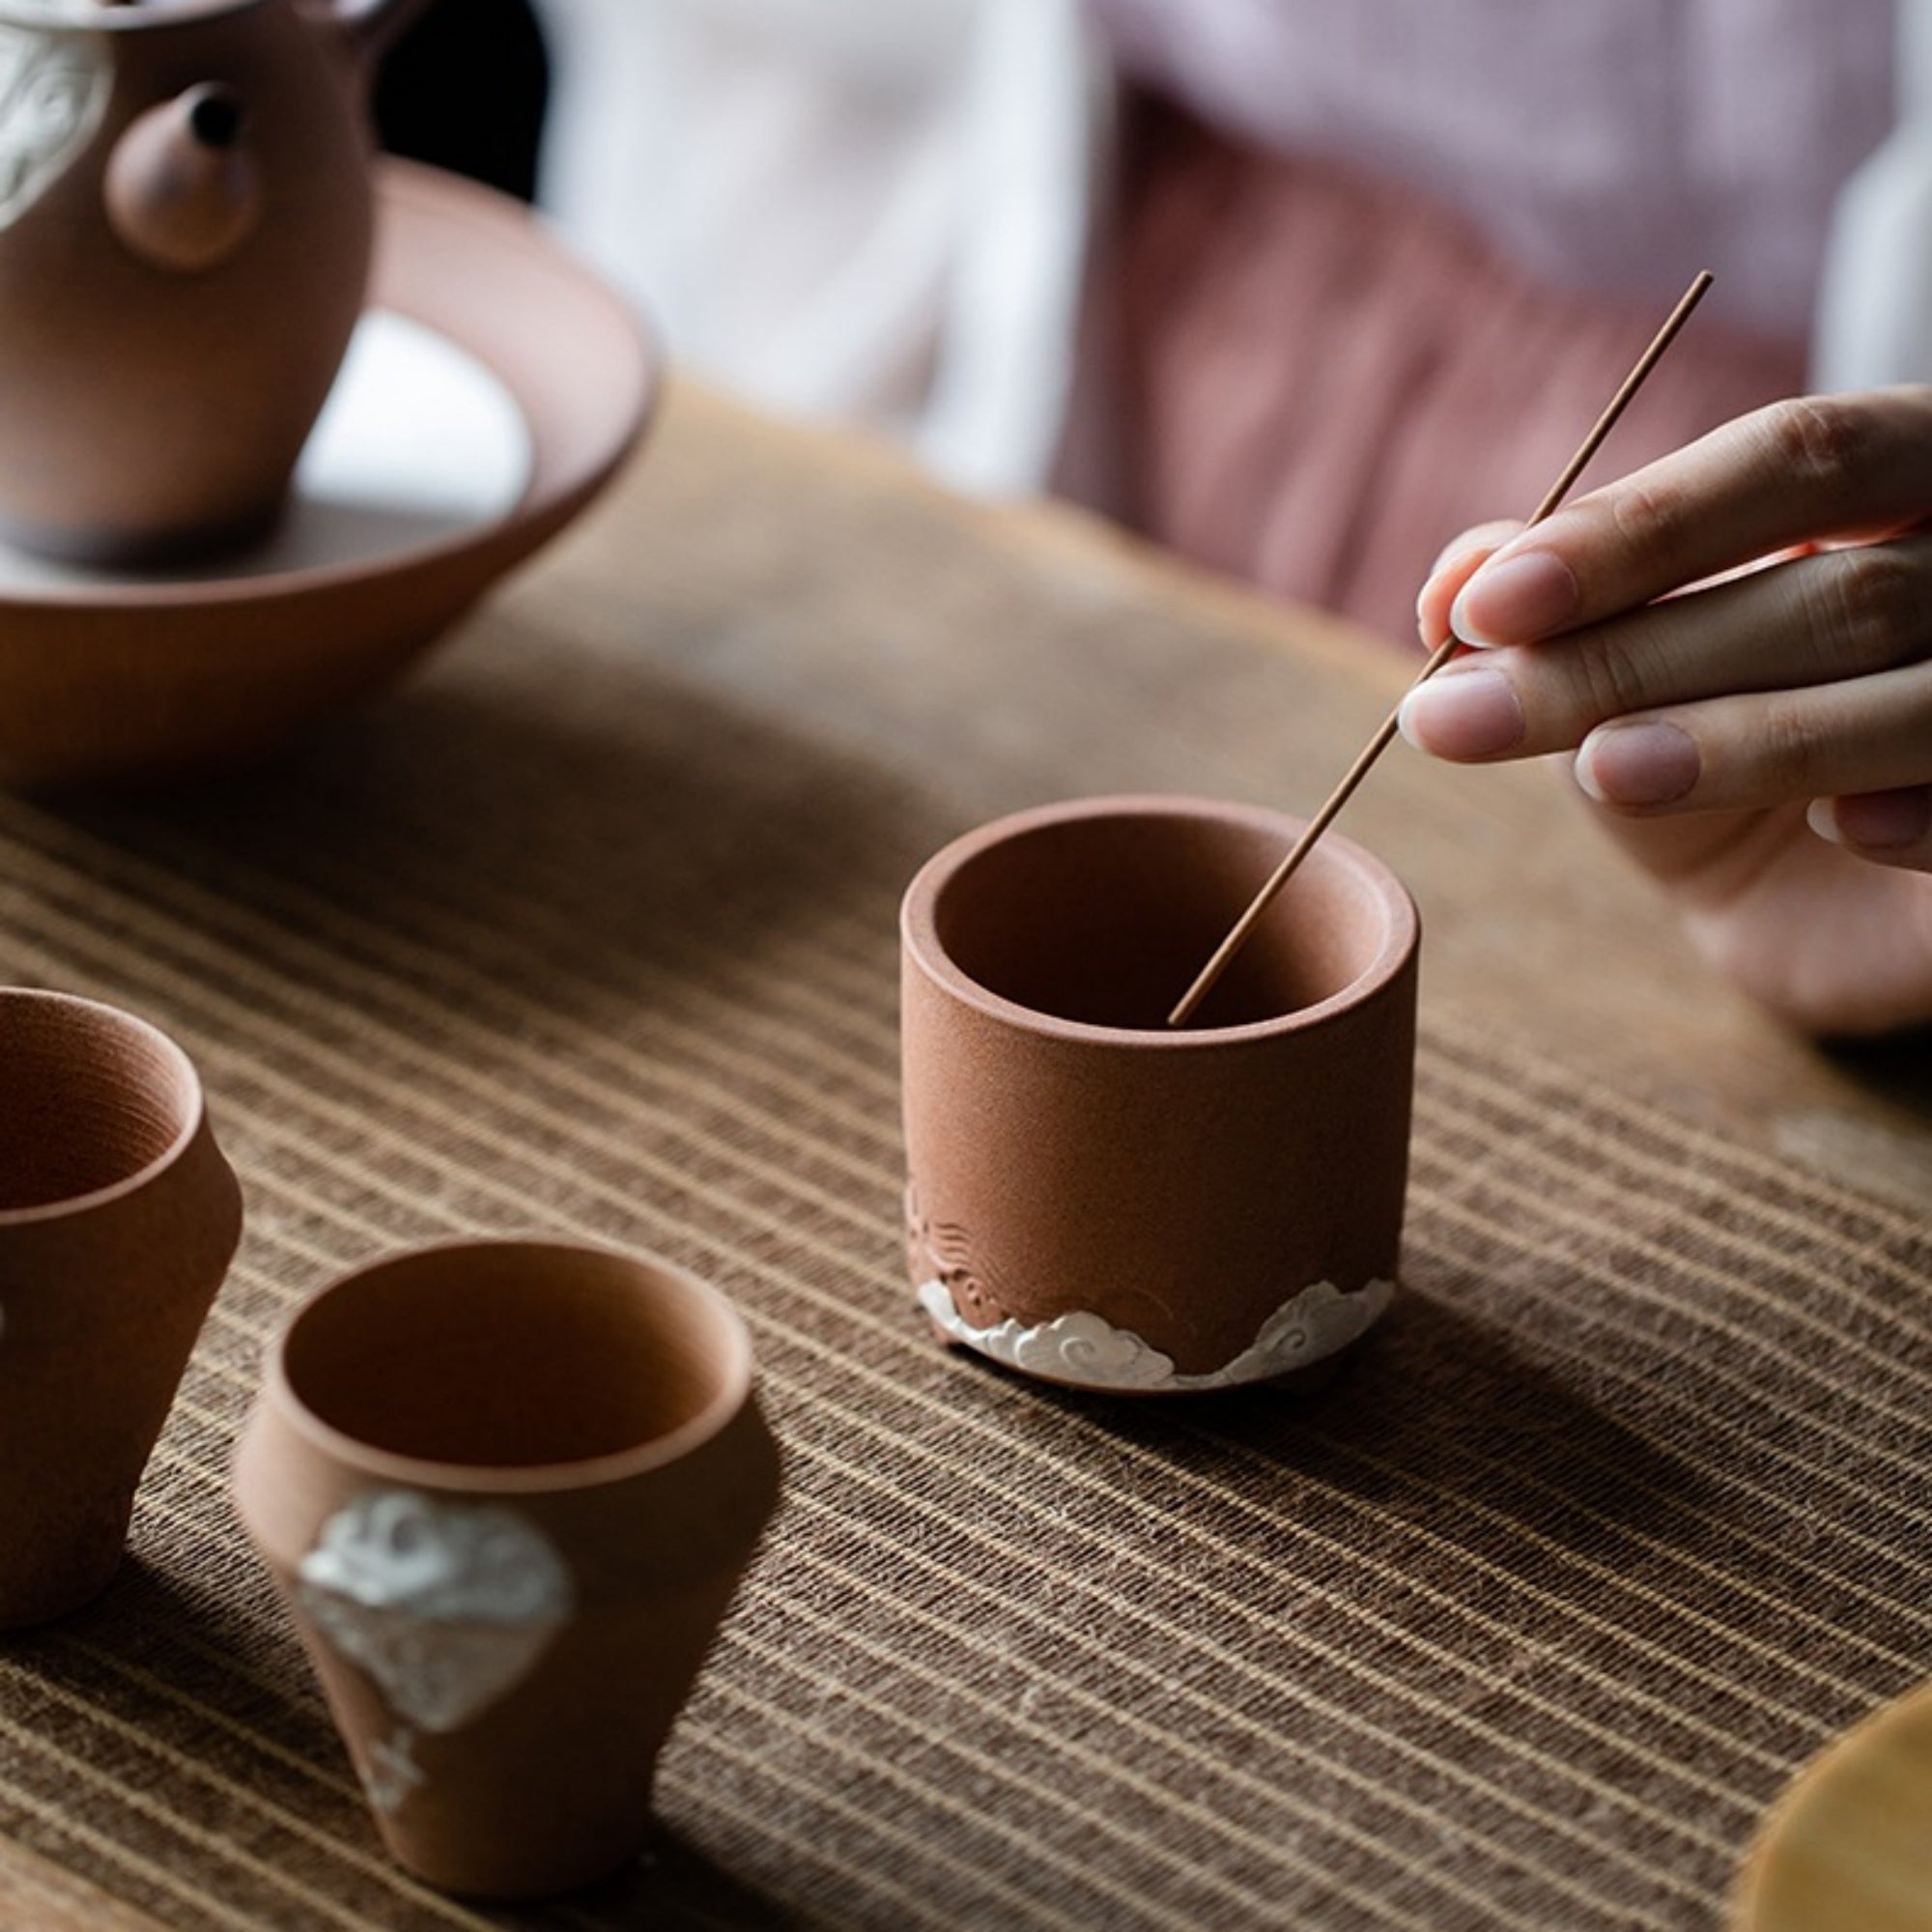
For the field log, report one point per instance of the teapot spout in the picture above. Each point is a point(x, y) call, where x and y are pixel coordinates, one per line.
point(183, 192)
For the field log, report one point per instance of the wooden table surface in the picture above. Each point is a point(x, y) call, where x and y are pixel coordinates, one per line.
point(766, 573)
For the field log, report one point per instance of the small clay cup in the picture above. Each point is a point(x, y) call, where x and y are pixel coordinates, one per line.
point(1103, 1200)
point(508, 1490)
point(118, 1219)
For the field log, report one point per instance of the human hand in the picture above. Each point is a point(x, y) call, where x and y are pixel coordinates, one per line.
point(1736, 644)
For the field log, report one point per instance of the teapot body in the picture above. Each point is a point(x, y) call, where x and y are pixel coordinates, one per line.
point(185, 228)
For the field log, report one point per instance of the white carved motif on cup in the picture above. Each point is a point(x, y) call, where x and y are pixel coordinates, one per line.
point(1088, 1351)
point(54, 90)
point(447, 1607)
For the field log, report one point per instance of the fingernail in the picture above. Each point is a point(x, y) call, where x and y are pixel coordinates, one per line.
point(1514, 599)
point(1876, 821)
point(1822, 819)
point(1639, 764)
point(1463, 714)
point(1447, 561)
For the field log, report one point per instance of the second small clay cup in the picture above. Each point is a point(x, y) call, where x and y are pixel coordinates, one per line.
point(118, 1219)
point(1099, 1200)
point(508, 1490)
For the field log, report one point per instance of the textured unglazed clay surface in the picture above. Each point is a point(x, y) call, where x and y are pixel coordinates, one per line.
point(508, 1490)
point(1101, 1199)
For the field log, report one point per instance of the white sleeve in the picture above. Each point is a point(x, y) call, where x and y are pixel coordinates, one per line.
point(1874, 321)
point(874, 209)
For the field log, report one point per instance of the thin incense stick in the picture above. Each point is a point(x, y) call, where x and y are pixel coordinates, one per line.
point(1204, 983)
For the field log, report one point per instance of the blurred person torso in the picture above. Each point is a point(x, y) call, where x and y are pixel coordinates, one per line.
point(1298, 288)
point(1607, 145)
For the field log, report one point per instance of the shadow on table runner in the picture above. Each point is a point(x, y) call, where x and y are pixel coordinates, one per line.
point(1618, 1518)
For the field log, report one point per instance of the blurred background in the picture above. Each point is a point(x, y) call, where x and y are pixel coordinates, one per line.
point(868, 210)
point(464, 89)
point(1259, 278)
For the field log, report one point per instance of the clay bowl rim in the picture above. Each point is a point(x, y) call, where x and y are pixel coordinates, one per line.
point(422, 194)
point(171, 1051)
point(920, 934)
point(736, 1366)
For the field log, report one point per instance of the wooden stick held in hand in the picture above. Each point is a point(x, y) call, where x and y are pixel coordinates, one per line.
point(1212, 972)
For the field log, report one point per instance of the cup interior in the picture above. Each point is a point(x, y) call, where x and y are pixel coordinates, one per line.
point(1105, 919)
point(90, 1098)
point(505, 1355)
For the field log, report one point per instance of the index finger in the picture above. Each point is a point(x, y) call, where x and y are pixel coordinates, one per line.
point(1816, 467)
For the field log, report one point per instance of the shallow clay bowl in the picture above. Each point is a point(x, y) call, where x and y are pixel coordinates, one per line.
point(106, 678)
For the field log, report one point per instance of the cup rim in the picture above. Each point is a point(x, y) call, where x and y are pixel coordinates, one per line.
point(737, 1378)
point(171, 1050)
point(920, 934)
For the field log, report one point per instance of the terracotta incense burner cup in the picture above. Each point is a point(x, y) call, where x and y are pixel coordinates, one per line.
point(186, 216)
point(1100, 1199)
point(118, 1219)
point(508, 1490)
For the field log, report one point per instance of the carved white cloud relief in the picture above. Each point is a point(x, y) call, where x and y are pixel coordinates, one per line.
point(1091, 1352)
point(389, 1771)
point(53, 92)
point(1087, 1348)
point(447, 1605)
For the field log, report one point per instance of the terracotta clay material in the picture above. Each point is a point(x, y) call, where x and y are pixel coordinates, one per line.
point(508, 1490)
point(118, 1219)
point(1103, 1200)
point(123, 679)
point(184, 242)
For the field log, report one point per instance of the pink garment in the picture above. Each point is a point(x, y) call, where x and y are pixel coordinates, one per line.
point(1379, 280)
point(1313, 380)
point(1608, 145)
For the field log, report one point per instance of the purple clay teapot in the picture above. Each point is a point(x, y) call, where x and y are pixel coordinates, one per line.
point(185, 218)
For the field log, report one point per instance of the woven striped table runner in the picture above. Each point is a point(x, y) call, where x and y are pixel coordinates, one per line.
point(1616, 1521)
